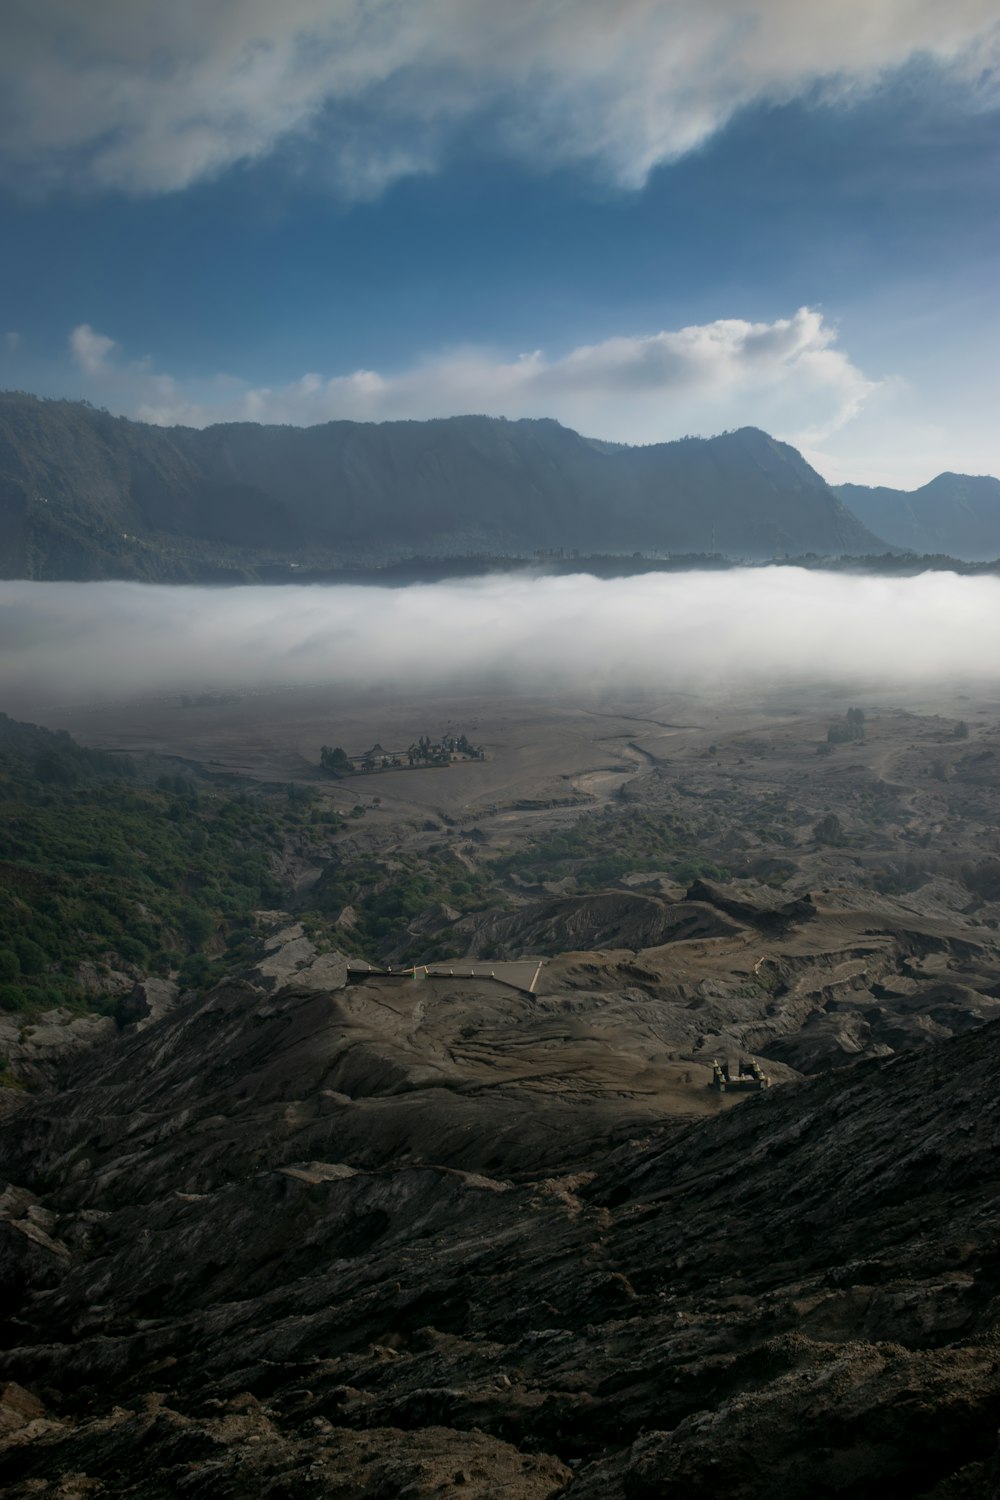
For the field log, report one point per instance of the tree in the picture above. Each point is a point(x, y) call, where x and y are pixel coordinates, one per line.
point(334, 759)
point(29, 955)
point(829, 830)
point(850, 729)
point(197, 923)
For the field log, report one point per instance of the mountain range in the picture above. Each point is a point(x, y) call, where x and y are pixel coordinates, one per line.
point(84, 494)
point(958, 514)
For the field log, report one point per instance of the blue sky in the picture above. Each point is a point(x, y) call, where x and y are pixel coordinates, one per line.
point(638, 219)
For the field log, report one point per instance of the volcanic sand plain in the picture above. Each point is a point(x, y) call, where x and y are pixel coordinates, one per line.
point(549, 759)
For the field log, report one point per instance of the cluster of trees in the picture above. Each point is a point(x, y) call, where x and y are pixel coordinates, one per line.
point(421, 752)
point(440, 752)
point(427, 752)
point(849, 730)
point(333, 758)
point(385, 899)
point(53, 757)
point(108, 871)
point(600, 848)
point(829, 830)
point(337, 761)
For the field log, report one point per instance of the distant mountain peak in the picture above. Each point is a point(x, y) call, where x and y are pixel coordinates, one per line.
point(954, 514)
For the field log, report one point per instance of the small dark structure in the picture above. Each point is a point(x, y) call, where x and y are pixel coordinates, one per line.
point(745, 1077)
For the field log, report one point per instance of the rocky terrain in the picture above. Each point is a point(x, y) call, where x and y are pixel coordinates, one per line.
point(480, 1223)
point(328, 1242)
point(812, 983)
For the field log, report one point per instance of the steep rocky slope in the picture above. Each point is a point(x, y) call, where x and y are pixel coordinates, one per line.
point(226, 1274)
point(84, 494)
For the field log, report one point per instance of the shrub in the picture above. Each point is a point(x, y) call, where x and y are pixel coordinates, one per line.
point(829, 830)
point(196, 923)
point(30, 956)
point(14, 998)
point(194, 971)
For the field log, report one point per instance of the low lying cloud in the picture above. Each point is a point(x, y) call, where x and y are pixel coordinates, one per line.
point(786, 376)
point(92, 351)
point(566, 636)
point(150, 97)
point(110, 375)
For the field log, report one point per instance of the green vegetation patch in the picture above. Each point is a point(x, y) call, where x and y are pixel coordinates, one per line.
point(96, 868)
point(386, 896)
point(601, 848)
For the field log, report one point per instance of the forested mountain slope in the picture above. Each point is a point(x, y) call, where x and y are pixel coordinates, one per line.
point(957, 514)
point(84, 494)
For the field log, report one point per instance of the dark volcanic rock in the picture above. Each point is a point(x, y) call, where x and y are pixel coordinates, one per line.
point(798, 1297)
point(754, 905)
point(621, 919)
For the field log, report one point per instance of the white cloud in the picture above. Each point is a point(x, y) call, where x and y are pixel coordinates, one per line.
point(567, 636)
point(12, 341)
point(92, 351)
point(133, 382)
point(786, 376)
point(150, 97)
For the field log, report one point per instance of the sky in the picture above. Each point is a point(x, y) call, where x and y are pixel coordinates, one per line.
point(646, 219)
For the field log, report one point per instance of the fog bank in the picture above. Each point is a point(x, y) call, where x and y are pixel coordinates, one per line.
point(67, 641)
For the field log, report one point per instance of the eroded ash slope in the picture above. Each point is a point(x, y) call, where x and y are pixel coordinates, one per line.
point(299, 1243)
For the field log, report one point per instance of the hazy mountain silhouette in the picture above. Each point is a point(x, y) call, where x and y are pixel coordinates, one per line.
point(84, 494)
point(958, 514)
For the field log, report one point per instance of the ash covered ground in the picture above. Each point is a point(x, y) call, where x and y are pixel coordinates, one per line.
point(485, 1225)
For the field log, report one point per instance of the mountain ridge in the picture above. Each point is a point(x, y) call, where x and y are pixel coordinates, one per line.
point(84, 494)
point(954, 513)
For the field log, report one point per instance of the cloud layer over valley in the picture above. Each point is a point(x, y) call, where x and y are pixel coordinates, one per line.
point(566, 636)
